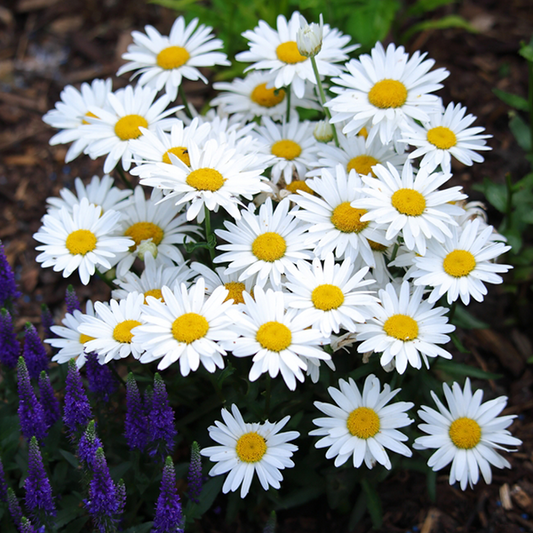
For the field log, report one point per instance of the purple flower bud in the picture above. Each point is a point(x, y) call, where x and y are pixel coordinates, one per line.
point(52, 410)
point(136, 425)
point(14, 507)
point(8, 287)
point(168, 515)
point(47, 321)
point(9, 345)
point(121, 496)
point(162, 430)
point(34, 352)
point(100, 379)
point(77, 412)
point(194, 479)
point(27, 527)
point(88, 445)
point(3, 484)
point(71, 300)
point(39, 500)
point(31, 413)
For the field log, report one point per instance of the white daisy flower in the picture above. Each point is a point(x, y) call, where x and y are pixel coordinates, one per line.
point(111, 330)
point(267, 244)
point(459, 266)
point(98, 192)
point(385, 91)
point(277, 339)
point(405, 329)
point(447, 134)
point(335, 224)
point(329, 294)
point(247, 449)
point(154, 276)
point(362, 426)
point(111, 129)
point(250, 97)
point(82, 240)
point(71, 112)
point(71, 343)
point(163, 61)
point(292, 145)
point(155, 221)
point(467, 433)
point(410, 206)
point(186, 327)
point(277, 52)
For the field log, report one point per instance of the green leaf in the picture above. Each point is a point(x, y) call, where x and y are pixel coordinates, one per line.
point(72, 459)
point(451, 21)
point(461, 370)
point(299, 497)
point(512, 100)
point(117, 472)
point(526, 51)
point(521, 131)
point(463, 319)
point(496, 193)
point(142, 528)
point(70, 509)
point(431, 482)
point(458, 344)
point(358, 511)
point(373, 503)
point(423, 6)
point(209, 493)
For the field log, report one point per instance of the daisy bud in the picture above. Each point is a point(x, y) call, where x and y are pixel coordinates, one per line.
point(9, 345)
point(309, 37)
point(34, 352)
point(323, 131)
point(147, 247)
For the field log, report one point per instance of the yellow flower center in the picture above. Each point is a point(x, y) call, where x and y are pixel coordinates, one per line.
point(409, 202)
point(287, 149)
point(85, 338)
point(274, 336)
point(88, 114)
point(235, 289)
point(363, 132)
point(205, 179)
point(362, 164)
point(269, 246)
point(348, 219)
point(156, 293)
point(388, 93)
point(299, 185)
point(363, 423)
point(376, 246)
point(401, 327)
point(180, 152)
point(442, 137)
point(81, 242)
point(127, 127)
point(459, 263)
point(189, 327)
point(327, 297)
point(122, 332)
point(142, 231)
point(172, 57)
point(288, 53)
point(251, 447)
point(465, 433)
point(267, 97)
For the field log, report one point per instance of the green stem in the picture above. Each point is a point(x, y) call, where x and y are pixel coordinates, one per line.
point(530, 98)
point(323, 99)
point(288, 93)
point(394, 251)
point(208, 231)
point(268, 390)
point(452, 311)
point(185, 102)
point(122, 175)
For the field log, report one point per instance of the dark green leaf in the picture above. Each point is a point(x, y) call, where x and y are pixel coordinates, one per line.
point(451, 21)
point(496, 193)
point(72, 459)
point(373, 502)
point(358, 511)
point(142, 528)
point(299, 497)
point(461, 370)
point(458, 344)
point(117, 472)
point(512, 100)
point(520, 130)
point(463, 319)
point(423, 6)
point(526, 51)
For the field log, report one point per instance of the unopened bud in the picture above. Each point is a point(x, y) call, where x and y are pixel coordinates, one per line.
point(309, 37)
point(147, 246)
point(323, 131)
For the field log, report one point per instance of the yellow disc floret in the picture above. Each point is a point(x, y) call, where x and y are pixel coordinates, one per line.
point(85, 338)
point(299, 185)
point(156, 293)
point(81, 242)
point(465, 433)
point(459, 263)
point(388, 94)
point(363, 423)
point(127, 127)
point(401, 327)
point(122, 331)
point(288, 53)
point(327, 297)
point(267, 97)
point(189, 327)
point(376, 246)
point(409, 202)
point(89, 115)
point(205, 179)
point(172, 57)
point(274, 336)
point(235, 289)
point(286, 149)
point(362, 164)
point(269, 246)
point(251, 447)
point(348, 219)
point(142, 231)
point(442, 137)
point(180, 152)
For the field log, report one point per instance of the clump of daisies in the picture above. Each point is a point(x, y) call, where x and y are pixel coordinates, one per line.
point(276, 250)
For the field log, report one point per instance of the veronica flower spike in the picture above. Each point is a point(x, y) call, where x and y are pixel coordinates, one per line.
point(77, 412)
point(168, 514)
point(34, 352)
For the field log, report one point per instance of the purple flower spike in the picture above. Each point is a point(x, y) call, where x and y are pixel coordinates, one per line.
point(52, 411)
point(3, 484)
point(168, 515)
point(34, 352)
point(8, 287)
point(71, 299)
point(9, 345)
point(31, 413)
point(39, 500)
point(162, 430)
point(27, 527)
point(47, 321)
point(100, 379)
point(14, 507)
point(136, 426)
point(77, 412)
point(88, 445)
point(194, 479)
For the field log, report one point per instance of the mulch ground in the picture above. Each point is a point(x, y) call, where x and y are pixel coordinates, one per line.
point(46, 44)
